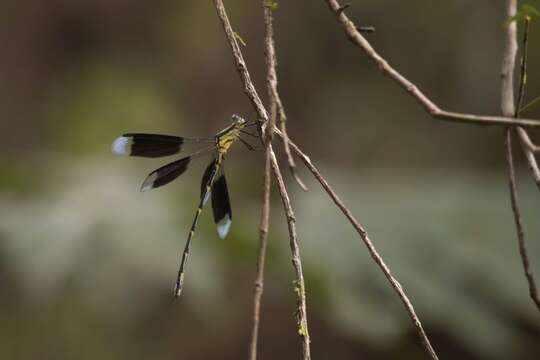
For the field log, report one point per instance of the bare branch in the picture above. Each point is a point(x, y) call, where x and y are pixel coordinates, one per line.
point(251, 92)
point(523, 69)
point(271, 80)
point(533, 291)
point(286, 147)
point(529, 148)
point(275, 103)
point(356, 38)
point(299, 284)
point(507, 106)
point(509, 62)
point(527, 144)
point(531, 103)
point(240, 63)
point(371, 248)
point(261, 256)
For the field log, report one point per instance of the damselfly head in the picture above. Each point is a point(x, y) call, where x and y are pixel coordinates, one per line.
point(238, 121)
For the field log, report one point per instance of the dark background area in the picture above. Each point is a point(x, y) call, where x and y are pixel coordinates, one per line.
point(87, 262)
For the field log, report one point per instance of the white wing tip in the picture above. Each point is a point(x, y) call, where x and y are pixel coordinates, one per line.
point(223, 226)
point(120, 145)
point(148, 183)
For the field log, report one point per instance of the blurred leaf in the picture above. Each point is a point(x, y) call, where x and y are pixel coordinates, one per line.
point(525, 13)
point(94, 103)
point(271, 4)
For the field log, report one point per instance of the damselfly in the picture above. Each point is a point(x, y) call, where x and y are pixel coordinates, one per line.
point(213, 181)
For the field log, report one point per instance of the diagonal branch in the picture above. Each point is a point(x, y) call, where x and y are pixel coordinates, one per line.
point(357, 39)
point(371, 248)
point(528, 145)
point(507, 105)
point(531, 103)
point(251, 92)
point(240, 63)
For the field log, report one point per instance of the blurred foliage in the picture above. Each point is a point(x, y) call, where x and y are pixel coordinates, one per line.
point(526, 12)
point(87, 262)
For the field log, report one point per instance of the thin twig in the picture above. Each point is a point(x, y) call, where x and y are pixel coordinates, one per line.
point(275, 107)
point(533, 290)
point(523, 69)
point(240, 63)
point(286, 147)
point(506, 104)
point(356, 38)
point(251, 92)
point(529, 148)
point(299, 284)
point(371, 248)
point(261, 256)
point(531, 103)
point(271, 74)
point(527, 144)
point(275, 103)
point(265, 213)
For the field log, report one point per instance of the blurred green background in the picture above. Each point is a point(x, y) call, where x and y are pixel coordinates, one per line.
point(87, 262)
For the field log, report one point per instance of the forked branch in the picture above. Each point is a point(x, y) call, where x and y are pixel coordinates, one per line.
point(507, 106)
point(253, 96)
point(371, 248)
point(351, 30)
point(275, 103)
point(529, 148)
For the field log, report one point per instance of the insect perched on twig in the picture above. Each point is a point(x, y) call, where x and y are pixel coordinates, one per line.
point(213, 181)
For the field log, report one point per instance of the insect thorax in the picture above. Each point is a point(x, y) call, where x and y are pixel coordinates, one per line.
point(226, 137)
point(224, 141)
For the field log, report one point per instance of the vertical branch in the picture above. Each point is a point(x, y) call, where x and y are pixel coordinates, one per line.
point(276, 105)
point(265, 214)
point(261, 256)
point(529, 148)
point(512, 7)
point(509, 62)
point(526, 140)
point(299, 284)
point(257, 104)
point(523, 69)
point(507, 86)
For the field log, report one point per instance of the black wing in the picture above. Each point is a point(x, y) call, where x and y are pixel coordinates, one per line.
point(221, 206)
point(151, 145)
point(206, 179)
point(165, 174)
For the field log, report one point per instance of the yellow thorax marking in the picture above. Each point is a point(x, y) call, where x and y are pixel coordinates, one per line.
point(226, 137)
